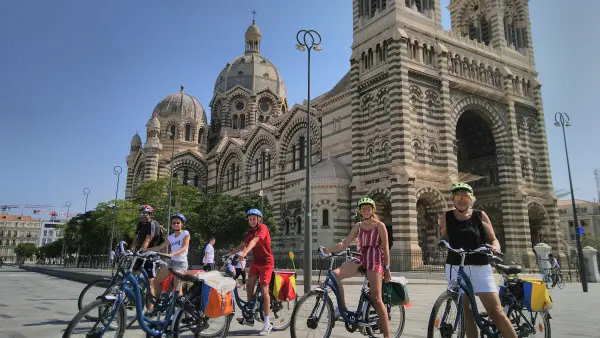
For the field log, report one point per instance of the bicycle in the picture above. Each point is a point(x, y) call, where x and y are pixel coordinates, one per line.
point(364, 319)
point(512, 303)
point(111, 306)
point(554, 278)
point(253, 310)
point(106, 284)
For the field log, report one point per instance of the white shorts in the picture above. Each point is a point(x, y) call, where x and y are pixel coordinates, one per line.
point(481, 276)
point(177, 265)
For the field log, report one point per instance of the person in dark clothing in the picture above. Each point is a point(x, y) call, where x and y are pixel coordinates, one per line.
point(466, 228)
point(148, 236)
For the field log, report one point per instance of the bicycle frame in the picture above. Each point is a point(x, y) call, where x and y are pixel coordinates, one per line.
point(247, 307)
point(331, 283)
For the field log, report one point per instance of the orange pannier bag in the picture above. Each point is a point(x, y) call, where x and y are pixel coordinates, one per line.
point(217, 294)
point(284, 285)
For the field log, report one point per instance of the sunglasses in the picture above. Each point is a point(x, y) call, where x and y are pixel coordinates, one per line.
point(142, 214)
point(176, 222)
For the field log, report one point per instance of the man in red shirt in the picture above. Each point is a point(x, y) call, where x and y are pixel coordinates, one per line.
point(258, 240)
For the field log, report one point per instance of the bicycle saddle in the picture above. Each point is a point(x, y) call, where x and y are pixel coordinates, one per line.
point(509, 269)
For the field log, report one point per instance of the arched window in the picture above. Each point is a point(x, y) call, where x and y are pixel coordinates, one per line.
point(196, 181)
point(188, 133)
point(242, 121)
point(287, 226)
point(234, 122)
point(325, 218)
point(185, 176)
point(200, 136)
point(172, 131)
point(298, 225)
point(302, 157)
point(256, 169)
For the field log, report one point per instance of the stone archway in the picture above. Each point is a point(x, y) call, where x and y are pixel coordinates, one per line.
point(383, 203)
point(537, 219)
point(430, 205)
point(476, 149)
point(494, 212)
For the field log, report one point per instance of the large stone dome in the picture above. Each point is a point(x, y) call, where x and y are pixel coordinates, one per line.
point(180, 106)
point(251, 70)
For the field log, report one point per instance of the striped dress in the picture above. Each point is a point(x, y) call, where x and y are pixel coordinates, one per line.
point(371, 250)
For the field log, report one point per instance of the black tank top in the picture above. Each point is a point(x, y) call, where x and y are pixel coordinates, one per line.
point(469, 235)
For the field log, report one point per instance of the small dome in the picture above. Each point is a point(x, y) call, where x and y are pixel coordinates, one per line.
point(253, 72)
point(330, 170)
point(154, 123)
point(180, 105)
point(136, 141)
point(253, 32)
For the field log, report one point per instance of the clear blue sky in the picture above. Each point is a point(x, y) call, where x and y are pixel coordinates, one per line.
point(78, 78)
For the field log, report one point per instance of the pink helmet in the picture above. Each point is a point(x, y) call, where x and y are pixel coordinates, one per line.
point(146, 208)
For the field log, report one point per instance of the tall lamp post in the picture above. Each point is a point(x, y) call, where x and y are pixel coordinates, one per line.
point(117, 170)
point(86, 192)
point(264, 154)
point(308, 40)
point(563, 120)
point(172, 135)
point(68, 205)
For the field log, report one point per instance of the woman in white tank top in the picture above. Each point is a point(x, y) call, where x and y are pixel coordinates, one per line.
point(179, 241)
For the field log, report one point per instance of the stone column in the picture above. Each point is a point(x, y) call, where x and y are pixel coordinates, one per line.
point(541, 251)
point(591, 264)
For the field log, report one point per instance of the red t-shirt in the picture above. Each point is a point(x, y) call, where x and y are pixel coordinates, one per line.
point(262, 254)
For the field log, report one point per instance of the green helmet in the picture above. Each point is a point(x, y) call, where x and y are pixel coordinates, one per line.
point(461, 186)
point(366, 200)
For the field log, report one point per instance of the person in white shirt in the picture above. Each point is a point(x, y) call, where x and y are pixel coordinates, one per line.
point(179, 241)
point(240, 270)
point(209, 256)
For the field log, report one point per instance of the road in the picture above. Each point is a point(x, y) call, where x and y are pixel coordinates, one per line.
point(34, 305)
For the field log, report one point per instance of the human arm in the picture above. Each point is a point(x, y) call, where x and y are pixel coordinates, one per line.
point(346, 242)
point(385, 245)
point(237, 248)
point(135, 239)
point(443, 231)
point(489, 232)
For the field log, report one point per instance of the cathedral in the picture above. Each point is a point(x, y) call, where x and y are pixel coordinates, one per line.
point(419, 109)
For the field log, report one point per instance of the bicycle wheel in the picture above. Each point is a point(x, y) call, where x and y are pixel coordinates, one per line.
point(95, 289)
point(396, 318)
point(104, 310)
point(530, 324)
point(444, 322)
point(189, 319)
point(281, 313)
point(296, 324)
point(561, 282)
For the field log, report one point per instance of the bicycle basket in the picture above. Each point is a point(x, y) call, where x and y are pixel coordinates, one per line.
point(395, 292)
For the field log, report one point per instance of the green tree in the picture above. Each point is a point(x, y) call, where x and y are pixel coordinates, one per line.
point(593, 241)
point(25, 251)
point(224, 217)
point(121, 222)
point(50, 250)
point(156, 193)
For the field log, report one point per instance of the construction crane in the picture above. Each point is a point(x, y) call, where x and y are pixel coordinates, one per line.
point(5, 208)
point(560, 193)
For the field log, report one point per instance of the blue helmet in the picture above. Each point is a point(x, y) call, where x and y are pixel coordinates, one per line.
point(254, 212)
point(180, 216)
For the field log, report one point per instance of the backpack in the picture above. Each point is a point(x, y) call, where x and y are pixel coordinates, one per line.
point(159, 238)
point(390, 235)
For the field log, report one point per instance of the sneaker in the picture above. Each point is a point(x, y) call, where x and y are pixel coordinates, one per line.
point(244, 321)
point(266, 330)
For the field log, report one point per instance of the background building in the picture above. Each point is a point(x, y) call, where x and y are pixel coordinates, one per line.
point(419, 109)
point(588, 214)
point(49, 232)
point(15, 230)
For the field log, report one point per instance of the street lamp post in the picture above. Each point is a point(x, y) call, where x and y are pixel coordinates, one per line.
point(262, 176)
point(563, 120)
point(68, 205)
point(307, 41)
point(172, 135)
point(117, 170)
point(86, 192)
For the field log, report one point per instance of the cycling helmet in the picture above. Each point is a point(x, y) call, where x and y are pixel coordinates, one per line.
point(146, 208)
point(254, 212)
point(366, 200)
point(461, 187)
point(180, 216)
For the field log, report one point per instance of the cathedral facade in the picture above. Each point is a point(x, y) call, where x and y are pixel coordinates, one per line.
point(419, 109)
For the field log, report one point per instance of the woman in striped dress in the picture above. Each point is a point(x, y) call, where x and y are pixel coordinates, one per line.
point(375, 258)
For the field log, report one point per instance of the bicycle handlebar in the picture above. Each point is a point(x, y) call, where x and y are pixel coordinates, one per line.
point(486, 249)
point(346, 253)
point(140, 253)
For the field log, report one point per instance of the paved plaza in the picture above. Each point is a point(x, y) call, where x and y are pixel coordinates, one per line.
point(34, 305)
